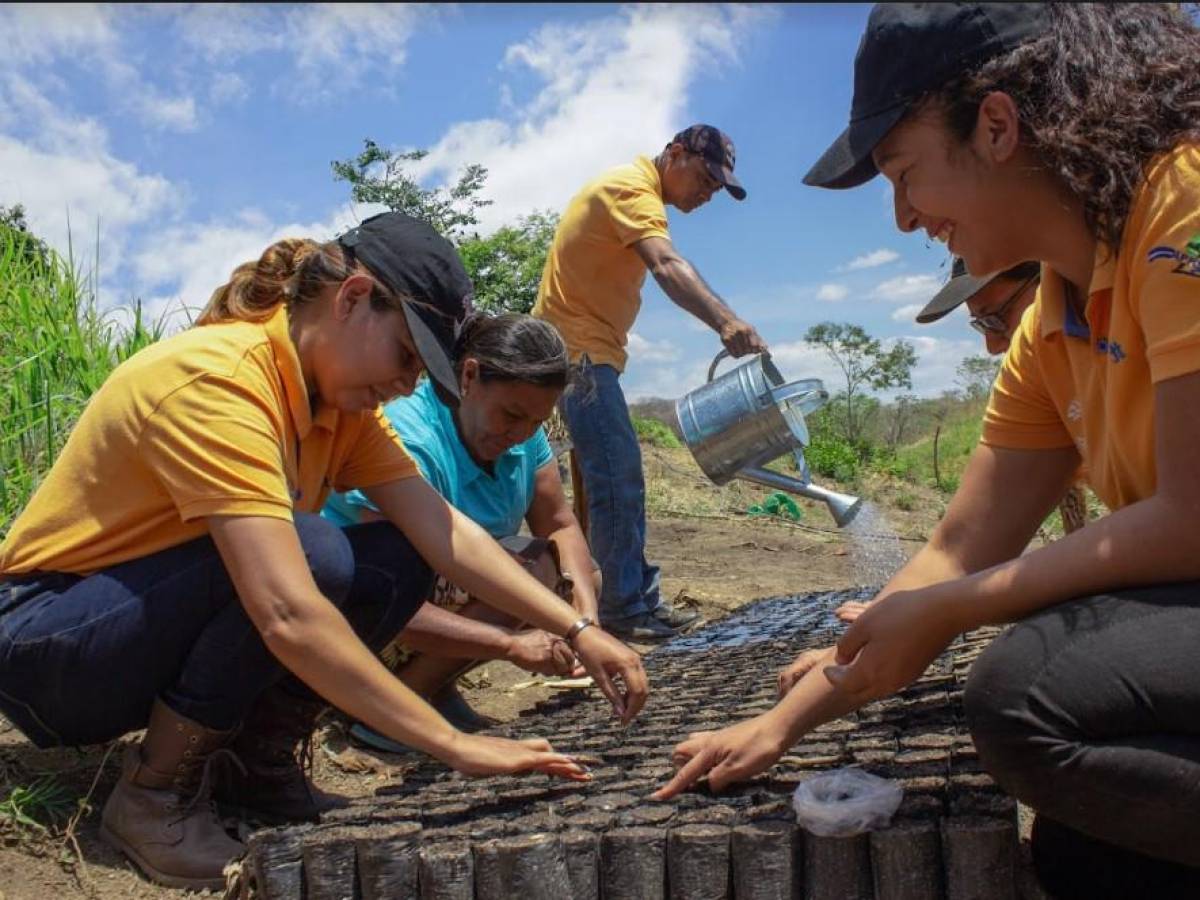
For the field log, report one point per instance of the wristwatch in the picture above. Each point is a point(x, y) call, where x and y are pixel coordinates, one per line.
point(574, 630)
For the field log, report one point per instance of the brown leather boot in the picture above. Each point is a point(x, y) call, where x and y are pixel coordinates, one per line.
point(275, 747)
point(161, 815)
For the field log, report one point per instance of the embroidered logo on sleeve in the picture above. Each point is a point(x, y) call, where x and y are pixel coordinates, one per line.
point(1187, 260)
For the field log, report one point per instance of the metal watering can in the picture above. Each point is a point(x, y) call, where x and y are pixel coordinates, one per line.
point(748, 417)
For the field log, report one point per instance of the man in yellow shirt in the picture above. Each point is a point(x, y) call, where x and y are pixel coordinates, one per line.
point(612, 232)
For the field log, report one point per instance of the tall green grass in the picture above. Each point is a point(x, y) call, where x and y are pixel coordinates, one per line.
point(56, 349)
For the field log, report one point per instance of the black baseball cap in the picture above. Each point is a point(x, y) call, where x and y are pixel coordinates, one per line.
point(424, 270)
point(907, 50)
point(962, 286)
point(718, 152)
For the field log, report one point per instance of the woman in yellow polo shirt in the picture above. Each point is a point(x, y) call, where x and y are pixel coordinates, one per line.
point(1067, 134)
point(171, 572)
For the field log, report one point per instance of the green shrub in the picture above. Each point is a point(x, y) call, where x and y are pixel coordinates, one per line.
point(834, 458)
point(655, 433)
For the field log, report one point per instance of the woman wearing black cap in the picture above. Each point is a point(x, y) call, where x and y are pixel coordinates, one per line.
point(1086, 118)
point(171, 572)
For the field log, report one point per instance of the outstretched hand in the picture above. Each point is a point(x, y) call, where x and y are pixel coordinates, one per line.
point(732, 754)
point(892, 642)
point(605, 657)
point(477, 754)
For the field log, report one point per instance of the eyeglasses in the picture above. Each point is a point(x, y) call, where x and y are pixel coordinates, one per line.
point(995, 321)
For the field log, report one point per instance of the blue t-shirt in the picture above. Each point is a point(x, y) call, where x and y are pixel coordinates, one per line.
point(497, 502)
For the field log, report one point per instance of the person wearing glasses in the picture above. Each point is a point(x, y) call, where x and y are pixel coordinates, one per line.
point(996, 303)
point(1085, 117)
point(612, 233)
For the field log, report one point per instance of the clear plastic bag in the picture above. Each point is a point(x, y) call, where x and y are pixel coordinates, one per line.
point(845, 802)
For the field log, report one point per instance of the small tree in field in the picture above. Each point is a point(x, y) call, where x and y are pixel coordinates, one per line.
point(505, 266)
point(866, 365)
point(975, 374)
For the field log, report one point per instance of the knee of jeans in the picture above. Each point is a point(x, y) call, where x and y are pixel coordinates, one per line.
point(1011, 745)
point(329, 554)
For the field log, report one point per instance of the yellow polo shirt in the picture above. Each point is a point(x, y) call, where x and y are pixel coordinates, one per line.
point(591, 287)
point(1090, 382)
point(212, 421)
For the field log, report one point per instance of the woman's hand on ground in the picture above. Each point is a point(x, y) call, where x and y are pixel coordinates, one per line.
point(604, 657)
point(732, 754)
point(477, 754)
point(540, 652)
point(801, 665)
point(893, 642)
point(851, 610)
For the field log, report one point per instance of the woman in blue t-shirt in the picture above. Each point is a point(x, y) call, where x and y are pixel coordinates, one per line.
point(489, 458)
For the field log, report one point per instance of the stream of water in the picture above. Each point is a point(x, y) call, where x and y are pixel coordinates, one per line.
point(875, 550)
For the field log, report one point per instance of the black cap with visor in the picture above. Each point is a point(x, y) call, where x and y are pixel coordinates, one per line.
point(425, 271)
point(907, 50)
point(962, 286)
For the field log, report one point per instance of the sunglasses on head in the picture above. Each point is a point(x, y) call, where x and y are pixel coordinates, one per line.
point(996, 322)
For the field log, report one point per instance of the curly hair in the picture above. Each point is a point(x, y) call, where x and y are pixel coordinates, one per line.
point(1109, 88)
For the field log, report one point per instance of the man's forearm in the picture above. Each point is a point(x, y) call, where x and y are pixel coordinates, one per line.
point(438, 631)
point(682, 283)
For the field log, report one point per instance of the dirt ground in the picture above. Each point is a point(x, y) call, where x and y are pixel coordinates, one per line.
point(713, 556)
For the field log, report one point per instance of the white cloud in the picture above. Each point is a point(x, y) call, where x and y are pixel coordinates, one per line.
point(652, 351)
point(38, 33)
point(181, 266)
point(879, 257)
point(907, 313)
point(908, 287)
point(228, 87)
point(611, 89)
point(331, 46)
point(667, 382)
point(937, 360)
point(69, 194)
point(832, 292)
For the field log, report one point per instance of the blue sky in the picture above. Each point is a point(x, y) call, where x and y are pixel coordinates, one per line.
point(190, 137)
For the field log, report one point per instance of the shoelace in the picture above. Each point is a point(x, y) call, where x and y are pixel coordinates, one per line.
point(204, 789)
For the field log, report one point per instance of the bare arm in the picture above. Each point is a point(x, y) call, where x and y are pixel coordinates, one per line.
point(1153, 541)
point(313, 640)
point(550, 516)
point(986, 521)
point(466, 554)
point(682, 283)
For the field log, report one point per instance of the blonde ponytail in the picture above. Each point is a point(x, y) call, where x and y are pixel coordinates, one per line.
point(289, 271)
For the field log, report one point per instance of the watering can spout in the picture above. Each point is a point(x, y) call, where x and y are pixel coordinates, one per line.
point(842, 507)
point(750, 415)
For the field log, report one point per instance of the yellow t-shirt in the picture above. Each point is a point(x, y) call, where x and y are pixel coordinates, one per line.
point(212, 421)
point(591, 287)
point(1090, 383)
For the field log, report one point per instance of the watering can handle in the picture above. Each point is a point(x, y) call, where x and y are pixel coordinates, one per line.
point(712, 369)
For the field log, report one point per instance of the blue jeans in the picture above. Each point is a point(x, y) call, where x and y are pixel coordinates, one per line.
point(82, 659)
point(606, 448)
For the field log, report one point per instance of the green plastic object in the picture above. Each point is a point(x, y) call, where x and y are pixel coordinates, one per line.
point(777, 504)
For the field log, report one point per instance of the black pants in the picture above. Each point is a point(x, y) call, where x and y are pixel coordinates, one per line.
point(83, 659)
point(1089, 712)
